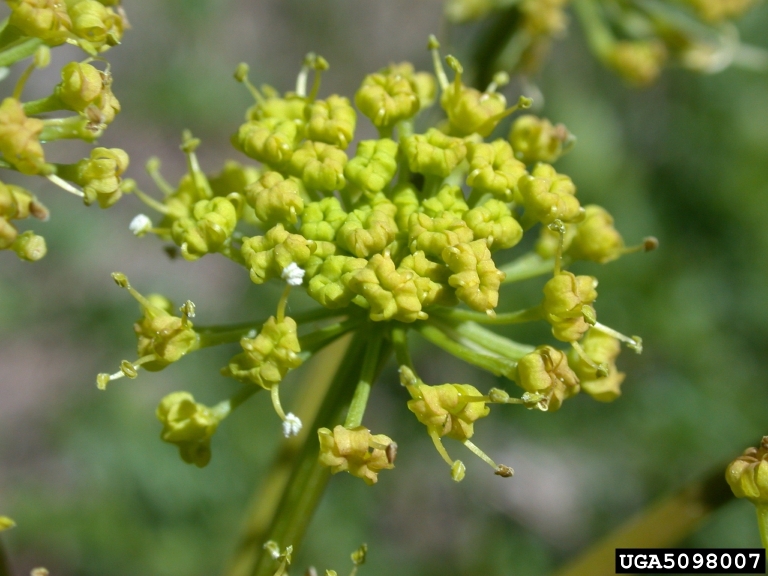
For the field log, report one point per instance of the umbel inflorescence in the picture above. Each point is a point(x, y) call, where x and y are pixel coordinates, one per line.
point(84, 97)
point(402, 235)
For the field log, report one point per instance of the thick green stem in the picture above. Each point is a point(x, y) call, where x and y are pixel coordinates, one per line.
point(400, 342)
point(308, 479)
point(494, 365)
point(367, 376)
point(74, 127)
point(520, 316)
point(492, 341)
point(662, 525)
point(19, 50)
point(762, 524)
point(528, 266)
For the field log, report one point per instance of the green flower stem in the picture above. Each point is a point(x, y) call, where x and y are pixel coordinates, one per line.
point(431, 186)
point(74, 127)
point(474, 197)
point(663, 525)
point(762, 523)
point(404, 129)
point(494, 365)
point(316, 382)
point(399, 338)
point(305, 487)
point(367, 376)
point(224, 334)
point(225, 407)
point(517, 317)
point(318, 339)
point(5, 568)
point(598, 34)
point(492, 341)
point(17, 49)
point(528, 266)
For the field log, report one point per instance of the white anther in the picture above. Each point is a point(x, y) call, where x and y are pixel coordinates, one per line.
point(291, 425)
point(293, 274)
point(140, 225)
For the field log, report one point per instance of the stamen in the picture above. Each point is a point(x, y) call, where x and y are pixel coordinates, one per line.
point(649, 244)
point(291, 425)
point(241, 75)
point(482, 455)
point(63, 184)
point(320, 64)
point(140, 225)
point(434, 47)
point(633, 343)
point(153, 169)
point(275, 394)
point(499, 79)
point(600, 369)
point(301, 80)
point(559, 228)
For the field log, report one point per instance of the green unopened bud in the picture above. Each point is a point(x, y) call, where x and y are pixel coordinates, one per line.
point(458, 470)
point(543, 18)
point(48, 21)
point(100, 175)
point(267, 256)
point(406, 198)
point(97, 26)
point(358, 556)
point(320, 166)
point(330, 285)
point(638, 62)
point(494, 222)
point(81, 84)
point(234, 177)
point(599, 378)
point(448, 409)
point(269, 140)
point(356, 451)
point(433, 153)
point(275, 198)
point(20, 138)
point(475, 276)
point(392, 295)
point(537, 140)
point(748, 474)
point(493, 168)
point(596, 239)
point(431, 280)
point(565, 297)
point(207, 229)
point(449, 199)
point(29, 246)
point(434, 235)
point(321, 220)
point(189, 425)
point(498, 396)
point(331, 121)
point(368, 230)
point(374, 165)
point(546, 372)
point(549, 196)
point(388, 97)
point(267, 357)
point(16, 203)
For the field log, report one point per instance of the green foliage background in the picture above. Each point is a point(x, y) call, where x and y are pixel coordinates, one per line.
point(95, 492)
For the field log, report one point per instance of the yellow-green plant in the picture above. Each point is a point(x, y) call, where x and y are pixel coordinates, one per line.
point(84, 97)
point(409, 234)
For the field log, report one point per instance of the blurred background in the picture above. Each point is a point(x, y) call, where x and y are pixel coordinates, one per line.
point(93, 489)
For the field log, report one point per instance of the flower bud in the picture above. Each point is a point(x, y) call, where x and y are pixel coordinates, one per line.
point(189, 425)
point(543, 17)
point(388, 97)
point(234, 177)
point(269, 140)
point(275, 198)
point(80, 86)
point(356, 451)
point(493, 168)
point(374, 165)
point(321, 220)
point(448, 409)
point(549, 196)
point(475, 276)
point(96, 25)
point(431, 280)
point(44, 19)
point(16, 203)
point(638, 62)
point(433, 153)
point(6, 523)
point(320, 166)
point(19, 138)
point(406, 198)
point(434, 235)
point(449, 200)
point(207, 229)
point(567, 299)
point(602, 349)
point(368, 230)
point(392, 295)
point(331, 121)
point(545, 372)
point(596, 239)
point(267, 357)
point(100, 175)
point(494, 222)
point(536, 140)
point(330, 285)
point(748, 474)
point(268, 255)
point(29, 246)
